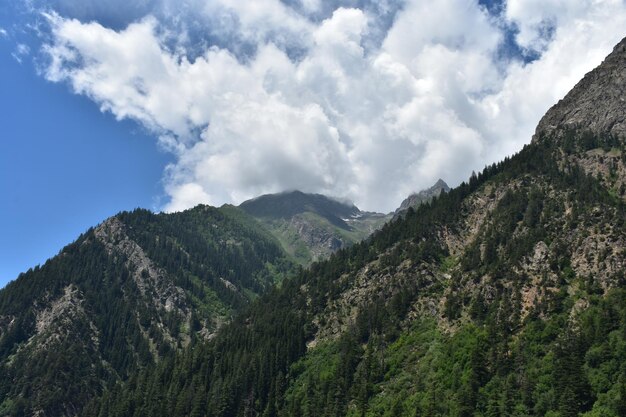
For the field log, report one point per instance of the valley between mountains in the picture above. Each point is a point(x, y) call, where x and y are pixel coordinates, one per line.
point(504, 296)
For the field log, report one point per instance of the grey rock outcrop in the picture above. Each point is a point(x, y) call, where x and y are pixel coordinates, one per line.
point(424, 196)
point(597, 103)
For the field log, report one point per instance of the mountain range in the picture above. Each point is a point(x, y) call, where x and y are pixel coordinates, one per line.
point(141, 285)
point(505, 296)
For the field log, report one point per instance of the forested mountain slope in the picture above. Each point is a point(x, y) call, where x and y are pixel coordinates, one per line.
point(505, 296)
point(127, 293)
point(141, 286)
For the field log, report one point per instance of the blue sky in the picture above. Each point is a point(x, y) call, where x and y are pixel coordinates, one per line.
point(108, 106)
point(64, 166)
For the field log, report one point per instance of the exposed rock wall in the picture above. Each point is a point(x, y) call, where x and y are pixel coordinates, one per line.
point(596, 103)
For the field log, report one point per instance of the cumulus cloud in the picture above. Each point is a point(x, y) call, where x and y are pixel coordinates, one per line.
point(3, 32)
point(353, 104)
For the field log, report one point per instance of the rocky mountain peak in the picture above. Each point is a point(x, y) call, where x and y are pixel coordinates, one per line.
point(597, 102)
point(441, 184)
point(423, 196)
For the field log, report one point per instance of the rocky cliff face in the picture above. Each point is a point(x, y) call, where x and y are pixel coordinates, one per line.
point(495, 251)
point(596, 103)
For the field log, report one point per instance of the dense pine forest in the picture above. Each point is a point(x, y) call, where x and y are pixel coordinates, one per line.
point(127, 293)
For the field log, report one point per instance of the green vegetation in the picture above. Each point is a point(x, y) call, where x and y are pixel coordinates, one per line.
point(308, 237)
point(552, 367)
point(310, 227)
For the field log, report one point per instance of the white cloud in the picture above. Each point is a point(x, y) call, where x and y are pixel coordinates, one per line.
point(367, 124)
point(21, 51)
point(537, 18)
point(3, 33)
point(311, 6)
point(259, 18)
point(187, 195)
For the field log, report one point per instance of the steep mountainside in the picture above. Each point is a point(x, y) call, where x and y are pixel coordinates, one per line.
point(504, 297)
point(312, 226)
point(132, 290)
point(593, 123)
